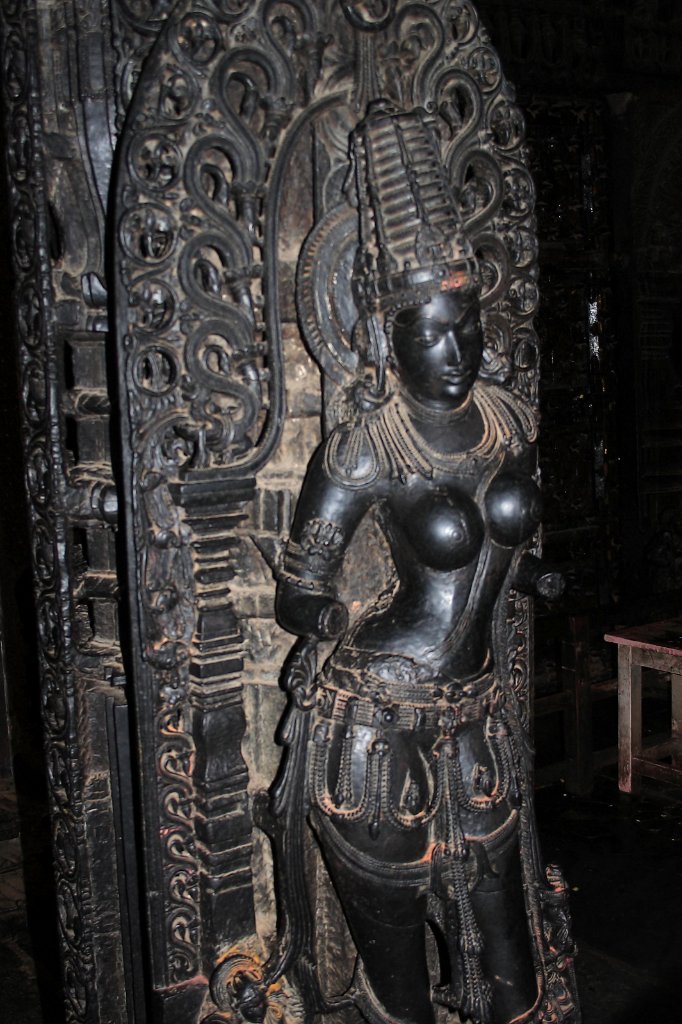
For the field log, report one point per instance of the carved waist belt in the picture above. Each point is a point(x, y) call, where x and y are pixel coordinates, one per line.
point(390, 678)
point(349, 707)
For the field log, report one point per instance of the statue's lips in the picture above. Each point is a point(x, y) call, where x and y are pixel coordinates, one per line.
point(454, 377)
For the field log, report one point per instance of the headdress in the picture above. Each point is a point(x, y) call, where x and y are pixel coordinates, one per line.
point(397, 241)
point(412, 241)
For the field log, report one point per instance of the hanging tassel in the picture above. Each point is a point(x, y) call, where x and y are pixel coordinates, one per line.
point(463, 936)
point(344, 783)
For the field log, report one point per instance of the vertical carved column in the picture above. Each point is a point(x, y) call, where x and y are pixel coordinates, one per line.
point(45, 486)
point(201, 382)
point(223, 823)
point(58, 159)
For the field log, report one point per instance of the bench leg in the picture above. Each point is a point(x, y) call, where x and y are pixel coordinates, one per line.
point(676, 708)
point(629, 717)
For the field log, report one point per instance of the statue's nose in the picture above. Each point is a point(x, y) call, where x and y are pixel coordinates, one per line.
point(452, 346)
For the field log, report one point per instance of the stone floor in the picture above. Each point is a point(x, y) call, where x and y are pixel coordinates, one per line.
point(623, 859)
point(622, 856)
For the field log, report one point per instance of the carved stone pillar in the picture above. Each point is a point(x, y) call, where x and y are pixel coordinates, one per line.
point(58, 156)
point(187, 253)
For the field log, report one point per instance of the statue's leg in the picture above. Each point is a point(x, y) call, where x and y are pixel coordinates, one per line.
point(388, 926)
point(395, 966)
point(498, 904)
point(496, 893)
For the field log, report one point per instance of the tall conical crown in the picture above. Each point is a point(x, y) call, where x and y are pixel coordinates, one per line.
point(412, 241)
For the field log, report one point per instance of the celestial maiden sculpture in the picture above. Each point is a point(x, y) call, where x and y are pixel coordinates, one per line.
point(414, 759)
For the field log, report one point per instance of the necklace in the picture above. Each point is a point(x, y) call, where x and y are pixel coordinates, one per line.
point(431, 414)
point(386, 443)
point(410, 451)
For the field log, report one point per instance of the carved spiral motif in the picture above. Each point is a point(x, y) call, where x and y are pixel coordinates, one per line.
point(15, 66)
point(152, 305)
point(19, 150)
point(54, 704)
point(30, 315)
point(34, 392)
point(148, 234)
point(38, 474)
point(369, 15)
point(46, 485)
point(146, 13)
point(24, 234)
point(155, 370)
point(44, 559)
point(66, 849)
point(197, 37)
point(463, 19)
point(507, 124)
point(48, 627)
point(74, 987)
point(155, 161)
point(177, 94)
point(233, 8)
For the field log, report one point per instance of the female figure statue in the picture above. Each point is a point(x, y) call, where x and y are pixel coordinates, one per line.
point(417, 773)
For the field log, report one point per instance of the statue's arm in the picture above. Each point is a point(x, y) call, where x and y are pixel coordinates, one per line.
point(327, 515)
point(537, 578)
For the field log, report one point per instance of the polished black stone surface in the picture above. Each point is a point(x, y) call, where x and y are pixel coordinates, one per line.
point(622, 856)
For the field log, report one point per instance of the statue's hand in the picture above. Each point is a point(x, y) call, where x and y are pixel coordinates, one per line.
point(332, 621)
point(551, 585)
point(535, 577)
point(309, 614)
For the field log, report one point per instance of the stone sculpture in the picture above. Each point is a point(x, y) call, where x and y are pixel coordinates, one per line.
point(167, 200)
point(407, 751)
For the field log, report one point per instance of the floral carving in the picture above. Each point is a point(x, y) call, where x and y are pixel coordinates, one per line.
point(156, 162)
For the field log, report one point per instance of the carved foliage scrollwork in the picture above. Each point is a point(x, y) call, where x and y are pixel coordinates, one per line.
point(200, 366)
point(484, 133)
point(44, 479)
point(201, 134)
point(167, 608)
point(181, 898)
point(136, 25)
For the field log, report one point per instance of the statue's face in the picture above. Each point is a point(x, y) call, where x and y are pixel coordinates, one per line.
point(438, 348)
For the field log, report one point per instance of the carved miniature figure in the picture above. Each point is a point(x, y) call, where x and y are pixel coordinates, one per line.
point(413, 761)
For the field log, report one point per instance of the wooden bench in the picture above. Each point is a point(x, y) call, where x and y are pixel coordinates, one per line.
point(657, 646)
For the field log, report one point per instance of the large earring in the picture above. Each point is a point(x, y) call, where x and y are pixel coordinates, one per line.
point(496, 366)
point(371, 344)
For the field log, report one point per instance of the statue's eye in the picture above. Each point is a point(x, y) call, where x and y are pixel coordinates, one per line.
point(428, 339)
